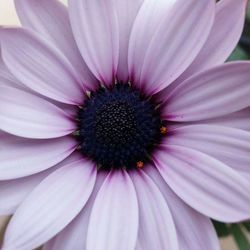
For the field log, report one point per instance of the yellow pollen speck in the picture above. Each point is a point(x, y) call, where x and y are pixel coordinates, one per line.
point(140, 164)
point(164, 130)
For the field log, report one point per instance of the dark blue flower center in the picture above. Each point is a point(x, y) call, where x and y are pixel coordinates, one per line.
point(119, 127)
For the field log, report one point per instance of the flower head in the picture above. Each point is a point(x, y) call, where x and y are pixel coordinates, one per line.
point(121, 128)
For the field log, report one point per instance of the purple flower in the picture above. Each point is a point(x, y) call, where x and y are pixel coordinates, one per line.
point(121, 128)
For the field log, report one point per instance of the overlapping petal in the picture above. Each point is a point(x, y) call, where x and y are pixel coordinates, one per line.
point(162, 46)
point(239, 119)
point(75, 234)
point(114, 219)
point(198, 163)
point(51, 20)
point(223, 38)
point(6, 78)
point(213, 93)
point(156, 225)
point(204, 183)
point(40, 66)
point(21, 157)
point(96, 31)
point(13, 192)
point(229, 145)
point(194, 231)
point(127, 12)
point(51, 206)
point(27, 115)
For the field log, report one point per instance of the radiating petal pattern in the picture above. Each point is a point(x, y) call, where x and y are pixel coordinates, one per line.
point(204, 183)
point(27, 115)
point(51, 206)
point(50, 19)
point(194, 231)
point(157, 53)
point(114, 219)
point(227, 28)
point(39, 66)
point(167, 48)
point(213, 93)
point(96, 31)
point(156, 225)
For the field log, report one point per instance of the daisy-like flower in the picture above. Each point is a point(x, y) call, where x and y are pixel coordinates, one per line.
point(121, 127)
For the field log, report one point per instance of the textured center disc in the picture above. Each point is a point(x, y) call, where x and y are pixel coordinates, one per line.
point(115, 123)
point(118, 127)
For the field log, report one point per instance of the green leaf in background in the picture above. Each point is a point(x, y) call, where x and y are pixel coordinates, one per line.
point(221, 229)
point(239, 237)
point(238, 54)
point(248, 11)
point(247, 226)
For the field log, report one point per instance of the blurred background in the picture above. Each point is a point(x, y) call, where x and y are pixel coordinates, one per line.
point(232, 237)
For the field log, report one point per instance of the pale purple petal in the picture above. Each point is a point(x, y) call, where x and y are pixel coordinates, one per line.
point(162, 45)
point(213, 93)
point(194, 231)
point(127, 12)
point(229, 145)
point(51, 206)
point(50, 19)
point(204, 183)
point(6, 78)
point(75, 234)
point(247, 175)
point(13, 192)
point(114, 219)
point(9, 82)
point(96, 31)
point(21, 157)
point(214, 52)
point(156, 225)
point(239, 119)
point(40, 66)
point(227, 28)
point(27, 115)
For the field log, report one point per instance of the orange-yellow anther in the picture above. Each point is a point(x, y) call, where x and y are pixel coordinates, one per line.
point(140, 164)
point(164, 130)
